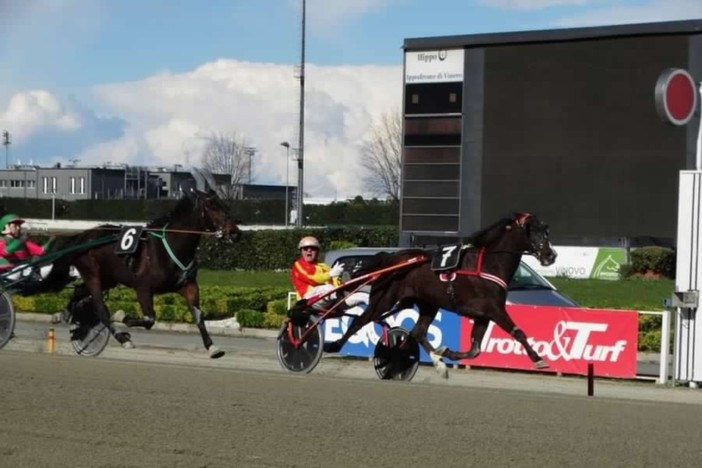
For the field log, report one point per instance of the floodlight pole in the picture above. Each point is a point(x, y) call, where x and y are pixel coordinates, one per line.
point(301, 144)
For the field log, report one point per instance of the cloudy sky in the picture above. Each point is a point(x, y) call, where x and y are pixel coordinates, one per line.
point(146, 81)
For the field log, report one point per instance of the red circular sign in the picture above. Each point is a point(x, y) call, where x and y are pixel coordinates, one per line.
point(676, 96)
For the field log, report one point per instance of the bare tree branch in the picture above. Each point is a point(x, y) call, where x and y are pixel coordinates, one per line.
point(381, 156)
point(228, 154)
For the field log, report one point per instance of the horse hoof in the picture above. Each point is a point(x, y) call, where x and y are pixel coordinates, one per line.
point(442, 370)
point(540, 364)
point(435, 358)
point(215, 352)
point(128, 345)
point(119, 316)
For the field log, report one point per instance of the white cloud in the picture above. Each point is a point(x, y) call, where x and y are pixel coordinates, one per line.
point(31, 111)
point(118, 151)
point(654, 11)
point(260, 101)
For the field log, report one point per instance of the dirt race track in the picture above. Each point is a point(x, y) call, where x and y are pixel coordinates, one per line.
point(69, 411)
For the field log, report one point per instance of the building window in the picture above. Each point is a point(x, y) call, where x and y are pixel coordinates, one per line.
point(32, 184)
point(73, 185)
point(16, 183)
point(53, 185)
point(3, 183)
point(45, 183)
point(82, 185)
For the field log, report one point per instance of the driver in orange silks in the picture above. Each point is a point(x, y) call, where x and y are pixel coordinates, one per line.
point(309, 276)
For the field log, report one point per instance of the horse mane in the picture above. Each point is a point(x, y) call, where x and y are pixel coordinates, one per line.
point(488, 235)
point(183, 207)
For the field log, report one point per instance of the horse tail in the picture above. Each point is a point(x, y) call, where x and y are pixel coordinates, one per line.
point(66, 249)
point(59, 277)
point(385, 259)
point(373, 263)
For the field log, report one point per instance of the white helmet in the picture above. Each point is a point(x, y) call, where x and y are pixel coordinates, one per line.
point(308, 241)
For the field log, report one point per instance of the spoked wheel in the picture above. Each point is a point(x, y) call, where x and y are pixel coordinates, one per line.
point(296, 356)
point(89, 336)
point(7, 318)
point(397, 357)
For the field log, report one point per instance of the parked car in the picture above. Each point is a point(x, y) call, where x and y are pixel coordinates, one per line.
point(527, 286)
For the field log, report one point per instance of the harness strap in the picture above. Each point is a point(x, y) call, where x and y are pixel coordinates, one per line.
point(480, 273)
point(184, 268)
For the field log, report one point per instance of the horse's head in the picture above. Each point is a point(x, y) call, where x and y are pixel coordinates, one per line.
point(212, 212)
point(537, 237)
point(216, 216)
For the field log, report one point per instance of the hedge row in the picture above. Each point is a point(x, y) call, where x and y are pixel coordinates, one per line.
point(216, 303)
point(252, 307)
point(277, 249)
point(650, 261)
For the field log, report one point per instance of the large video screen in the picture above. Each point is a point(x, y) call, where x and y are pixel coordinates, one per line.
point(571, 134)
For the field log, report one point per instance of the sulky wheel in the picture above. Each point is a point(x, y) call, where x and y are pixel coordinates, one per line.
point(7, 318)
point(89, 336)
point(297, 356)
point(396, 355)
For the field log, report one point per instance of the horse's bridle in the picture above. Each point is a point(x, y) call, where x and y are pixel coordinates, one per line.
point(219, 230)
point(520, 220)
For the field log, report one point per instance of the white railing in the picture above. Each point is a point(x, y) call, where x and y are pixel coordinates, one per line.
point(663, 373)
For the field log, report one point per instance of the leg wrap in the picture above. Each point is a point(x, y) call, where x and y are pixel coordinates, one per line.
point(197, 315)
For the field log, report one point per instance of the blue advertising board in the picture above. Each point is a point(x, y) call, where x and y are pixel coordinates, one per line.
point(444, 331)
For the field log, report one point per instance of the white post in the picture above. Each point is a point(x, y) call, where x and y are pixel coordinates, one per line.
point(698, 164)
point(665, 348)
point(53, 207)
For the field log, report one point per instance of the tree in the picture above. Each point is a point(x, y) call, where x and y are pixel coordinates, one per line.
point(381, 156)
point(231, 155)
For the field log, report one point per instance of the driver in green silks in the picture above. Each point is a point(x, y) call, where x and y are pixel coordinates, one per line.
point(14, 247)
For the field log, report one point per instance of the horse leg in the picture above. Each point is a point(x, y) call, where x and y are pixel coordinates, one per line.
point(503, 321)
point(368, 315)
point(191, 294)
point(94, 290)
point(146, 302)
point(480, 326)
point(419, 333)
point(356, 324)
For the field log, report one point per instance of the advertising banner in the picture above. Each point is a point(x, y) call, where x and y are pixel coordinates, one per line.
point(568, 339)
point(583, 262)
point(444, 331)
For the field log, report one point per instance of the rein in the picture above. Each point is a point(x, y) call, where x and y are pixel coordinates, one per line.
point(145, 229)
point(368, 278)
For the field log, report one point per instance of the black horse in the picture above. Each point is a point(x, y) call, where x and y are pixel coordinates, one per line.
point(164, 261)
point(476, 288)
